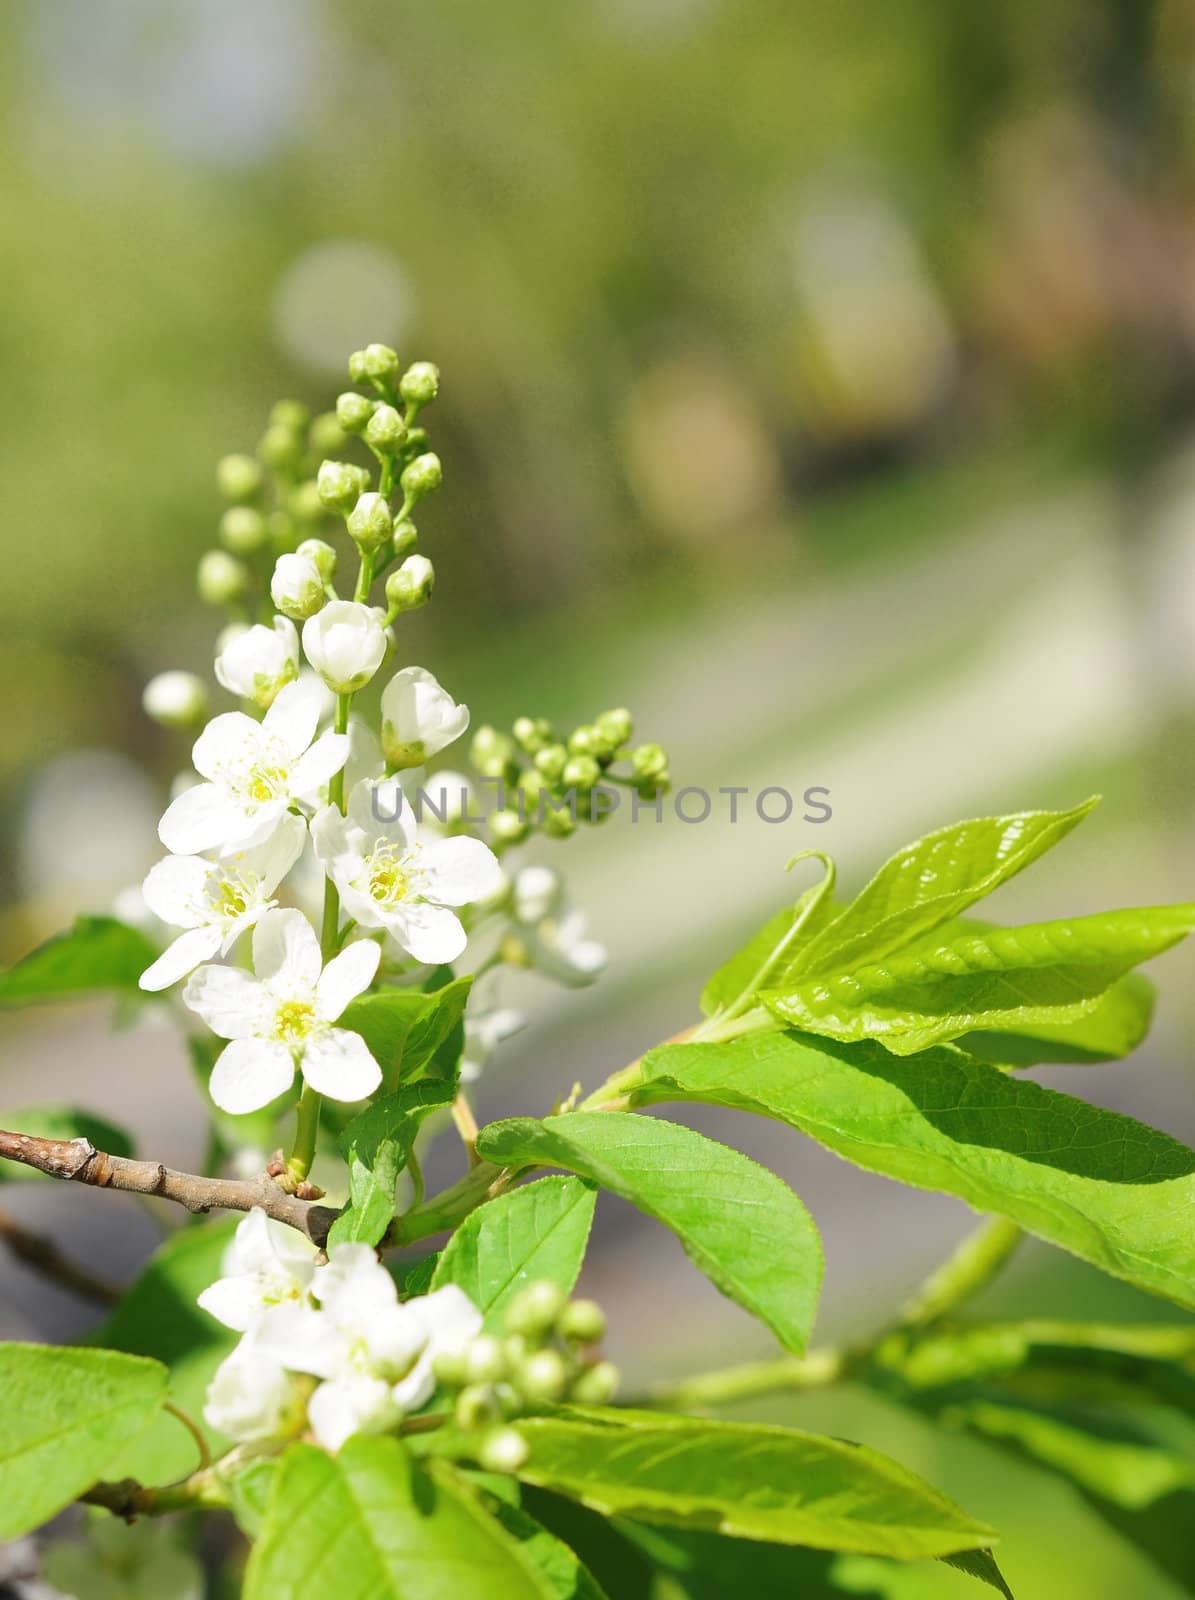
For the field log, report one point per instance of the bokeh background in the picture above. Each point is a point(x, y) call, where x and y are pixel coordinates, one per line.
point(817, 380)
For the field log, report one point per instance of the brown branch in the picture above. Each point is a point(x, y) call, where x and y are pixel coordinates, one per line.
point(78, 1161)
point(44, 1256)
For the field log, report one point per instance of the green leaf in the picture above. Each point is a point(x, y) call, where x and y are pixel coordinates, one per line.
point(1106, 1188)
point(539, 1231)
point(566, 1574)
point(748, 1482)
point(97, 953)
point(1115, 1025)
point(709, 1566)
point(744, 1228)
point(159, 1317)
point(377, 1146)
point(415, 1277)
point(67, 1414)
point(1003, 978)
point(733, 977)
point(372, 1524)
point(407, 1029)
point(250, 1489)
point(980, 1564)
point(60, 1122)
point(932, 880)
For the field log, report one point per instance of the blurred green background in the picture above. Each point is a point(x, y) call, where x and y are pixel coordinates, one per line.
point(819, 380)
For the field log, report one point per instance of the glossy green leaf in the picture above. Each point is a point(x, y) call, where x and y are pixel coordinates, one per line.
point(980, 1564)
point(373, 1524)
point(1106, 1188)
point(569, 1578)
point(98, 953)
point(733, 976)
point(1114, 1026)
point(67, 1414)
point(710, 1566)
point(158, 1317)
point(377, 1146)
point(745, 1229)
point(1003, 978)
point(60, 1122)
point(748, 1482)
point(406, 1029)
point(932, 880)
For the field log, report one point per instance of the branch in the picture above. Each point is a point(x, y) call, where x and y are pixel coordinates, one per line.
point(44, 1256)
point(78, 1161)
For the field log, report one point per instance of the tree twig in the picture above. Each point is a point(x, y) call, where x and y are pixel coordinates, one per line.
point(44, 1256)
point(78, 1161)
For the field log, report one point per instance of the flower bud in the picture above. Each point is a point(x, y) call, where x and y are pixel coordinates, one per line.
point(508, 827)
point(560, 824)
point(581, 772)
point(582, 1322)
point(448, 1368)
point(485, 1359)
point(354, 410)
point(503, 1450)
point(385, 430)
point(257, 663)
point(411, 586)
point(222, 578)
point(419, 718)
point(370, 521)
point(551, 761)
point(491, 752)
point(420, 383)
point(615, 727)
point(346, 644)
point(476, 1407)
point(305, 503)
point(322, 553)
point(596, 1385)
point(376, 361)
point(326, 434)
point(175, 699)
point(239, 478)
point(415, 443)
point(282, 531)
point(534, 1310)
point(297, 586)
point(406, 535)
point(649, 761)
point(341, 485)
point(242, 530)
point(422, 476)
point(280, 448)
point(533, 734)
point(542, 1377)
point(292, 415)
point(585, 740)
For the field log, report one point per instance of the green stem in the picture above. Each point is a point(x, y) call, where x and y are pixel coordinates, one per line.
point(450, 1206)
point(971, 1268)
point(752, 1379)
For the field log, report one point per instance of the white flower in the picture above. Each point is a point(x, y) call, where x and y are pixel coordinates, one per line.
point(283, 1017)
point(255, 771)
point(389, 879)
point(418, 718)
point(374, 1353)
point(175, 699)
point(296, 587)
point(483, 1034)
point(365, 761)
point(552, 933)
point(216, 901)
point(345, 643)
point(252, 1398)
point(267, 1265)
point(259, 662)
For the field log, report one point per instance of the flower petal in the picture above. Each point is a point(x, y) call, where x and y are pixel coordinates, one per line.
point(286, 950)
point(325, 758)
point(187, 952)
point(432, 934)
point(352, 1404)
point(232, 1003)
point(459, 871)
point(174, 890)
point(380, 809)
point(345, 977)
point(224, 742)
point(270, 862)
point(337, 1063)
point(294, 716)
point(249, 1074)
point(330, 835)
point(301, 1338)
point(200, 818)
point(233, 1301)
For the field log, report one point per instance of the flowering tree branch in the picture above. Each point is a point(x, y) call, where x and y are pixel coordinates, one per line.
point(78, 1161)
point(43, 1255)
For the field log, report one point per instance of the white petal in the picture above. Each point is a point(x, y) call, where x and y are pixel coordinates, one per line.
point(224, 742)
point(449, 1317)
point(538, 892)
point(187, 952)
point(302, 1339)
point(325, 758)
point(232, 1003)
point(354, 1286)
point(200, 818)
point(330, 835)
point(232, 1301)
point(345, 977)
point(286, 950)
point(249, 1074)
point(294, 716)
point(355, 1404)
point(459, 871)
point(174, 890)
point(432, 934)
point(270, 862)
point(380, 809)
point(338, 1063)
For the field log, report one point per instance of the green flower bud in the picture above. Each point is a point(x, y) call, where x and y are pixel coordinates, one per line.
point(491, 752)
point(596, 1385)
point(239, 478)
point(354, 410)
point(370, 522)
point(649, 761)
point(406, 536)
point(476, 1407)
point(533, 733)
point(341, 485)
point(411, 585)
point(280, 448)
point(551, 761)
point(290, 414)
point(378, 361)
point(560, 824)
point(485, 1359)
point(615, 727)
point(242, 530)
point(322, 554)
point(507, 827)
point(582, 1322)
point(357, 370)
point(449, 1368)
point(420, 383)
point(385, 430)
point(585, 741)
point(282, 531)
point(532, 784)
point(415, 443)
point(534, 1310)
point(305, 503)
point(581, 772)
point(326, 435)
point(175, 699)
point(503, 1450)
point(543, 1377)
point(222, 578)
point(297, 587)
point(422, 476)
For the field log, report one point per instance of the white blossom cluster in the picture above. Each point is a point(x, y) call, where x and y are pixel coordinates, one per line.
point(327, 1349)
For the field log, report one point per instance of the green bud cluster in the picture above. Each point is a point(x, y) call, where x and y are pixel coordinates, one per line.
point(544, 1359)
